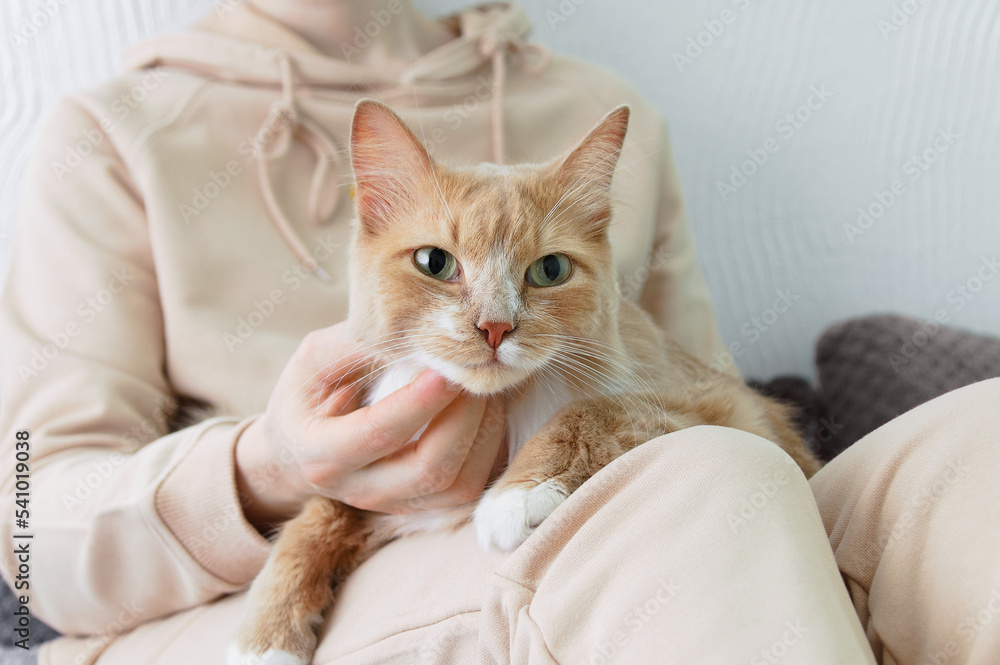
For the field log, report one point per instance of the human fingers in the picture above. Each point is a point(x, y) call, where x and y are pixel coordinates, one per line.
point(373, 432)
point(476, 470)
point(432, 463)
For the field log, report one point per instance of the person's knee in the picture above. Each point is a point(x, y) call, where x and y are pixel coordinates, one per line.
point(719, 447)
point(722, 460)
point(723, 474)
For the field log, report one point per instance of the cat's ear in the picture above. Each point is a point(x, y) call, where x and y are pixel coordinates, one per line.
point(389, 164)
point(584, 175)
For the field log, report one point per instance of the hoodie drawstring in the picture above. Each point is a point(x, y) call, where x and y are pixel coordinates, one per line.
point(495, 46)
point(286, 120)
point(283, 121)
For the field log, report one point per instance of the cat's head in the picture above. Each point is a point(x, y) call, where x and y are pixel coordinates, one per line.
point(481, 273)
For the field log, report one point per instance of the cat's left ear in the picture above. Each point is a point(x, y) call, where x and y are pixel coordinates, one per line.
point(585, 173)
point(390, 165)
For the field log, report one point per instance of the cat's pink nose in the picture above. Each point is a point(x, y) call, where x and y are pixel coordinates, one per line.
point(493, 332)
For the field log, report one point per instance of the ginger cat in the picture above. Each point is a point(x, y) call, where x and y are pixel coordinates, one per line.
point(501, 279)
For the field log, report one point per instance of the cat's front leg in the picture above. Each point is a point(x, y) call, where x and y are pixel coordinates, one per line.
point(579, 441)
point(315, 550)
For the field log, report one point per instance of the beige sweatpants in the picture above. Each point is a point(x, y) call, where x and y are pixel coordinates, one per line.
point(704, 546)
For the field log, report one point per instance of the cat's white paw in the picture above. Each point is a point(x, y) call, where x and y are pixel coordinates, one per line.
point(236, 656)
point(506, 516)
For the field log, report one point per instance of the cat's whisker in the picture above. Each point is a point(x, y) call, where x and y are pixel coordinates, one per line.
point(576, 184)
point(430, 166)
point(597, 354)
point(397, 338)
point(395, 344)
point(588, 344)
point(581, 346)
point(649, 392)
point(639, 401)
point(360, 384)
point(576, 369)
point(571, 205)
point(364, 357)
point(369, 344)
point(370, 378)
point(549, 218)
point(625, 408)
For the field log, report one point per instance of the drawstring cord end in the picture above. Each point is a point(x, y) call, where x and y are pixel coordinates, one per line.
point(322, 274)
point(284, 123)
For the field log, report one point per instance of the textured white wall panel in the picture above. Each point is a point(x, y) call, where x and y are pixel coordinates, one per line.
point(887, 90)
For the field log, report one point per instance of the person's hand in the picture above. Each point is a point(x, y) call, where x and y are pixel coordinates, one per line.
point(315, 438)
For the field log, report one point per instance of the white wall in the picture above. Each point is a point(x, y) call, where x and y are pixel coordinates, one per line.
point(893, 89)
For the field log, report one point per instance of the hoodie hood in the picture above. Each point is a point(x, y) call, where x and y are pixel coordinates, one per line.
point(238, 45)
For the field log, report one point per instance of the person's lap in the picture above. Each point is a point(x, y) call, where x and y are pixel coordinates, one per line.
point(729, 548)
point(417, 600)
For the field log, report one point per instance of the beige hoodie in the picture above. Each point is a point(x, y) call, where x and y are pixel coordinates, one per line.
point(185, 225)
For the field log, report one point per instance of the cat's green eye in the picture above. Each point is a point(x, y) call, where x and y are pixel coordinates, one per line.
point(550, 270)
point(435, 262)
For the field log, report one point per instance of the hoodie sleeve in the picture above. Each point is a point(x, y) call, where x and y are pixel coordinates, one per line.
point(128, 523)
point(675, 293)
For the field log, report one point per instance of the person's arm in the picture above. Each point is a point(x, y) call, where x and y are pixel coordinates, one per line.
point(126, 522)
point(675, 293)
